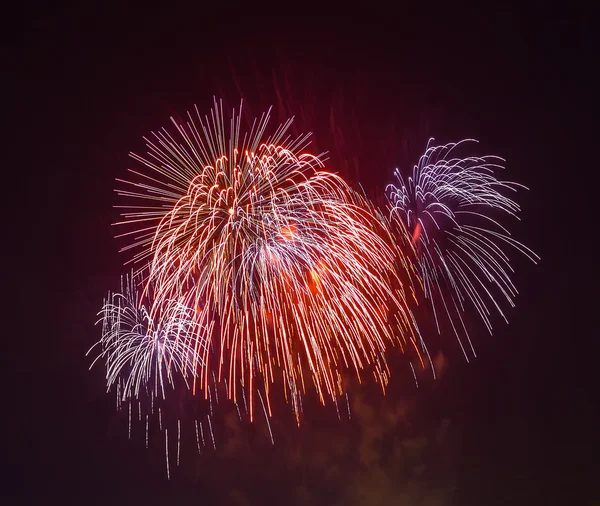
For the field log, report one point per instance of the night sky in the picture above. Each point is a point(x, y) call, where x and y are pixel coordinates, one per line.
point(516, 426)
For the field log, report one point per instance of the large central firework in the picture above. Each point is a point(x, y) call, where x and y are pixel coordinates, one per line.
point(283, 265)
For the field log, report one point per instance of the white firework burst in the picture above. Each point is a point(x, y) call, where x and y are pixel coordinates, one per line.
point(449, 209)
point(143, 353)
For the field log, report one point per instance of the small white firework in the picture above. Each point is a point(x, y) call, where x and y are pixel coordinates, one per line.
point(142, 352)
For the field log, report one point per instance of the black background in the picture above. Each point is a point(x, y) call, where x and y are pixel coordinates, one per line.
point(88, 84)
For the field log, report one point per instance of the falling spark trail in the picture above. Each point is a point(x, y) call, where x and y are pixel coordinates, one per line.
point(215, 384)
point(414, 374)
point(167, 454)
point(266, 417)
point(348, 404)
point(244, 397)
point(178, 440)
point(197, 436)
point(211, 433)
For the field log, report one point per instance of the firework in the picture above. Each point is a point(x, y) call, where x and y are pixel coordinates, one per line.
point(143, 353)
point(283, 265)
point(448, 211)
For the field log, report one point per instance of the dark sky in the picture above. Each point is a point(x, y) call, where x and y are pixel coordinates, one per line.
point(516, 426)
